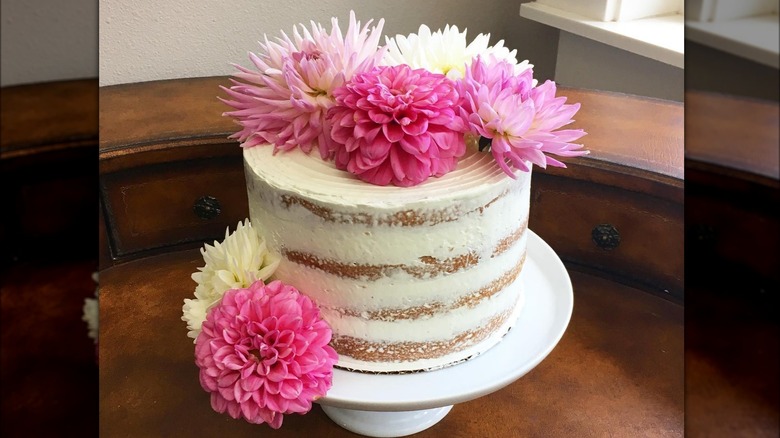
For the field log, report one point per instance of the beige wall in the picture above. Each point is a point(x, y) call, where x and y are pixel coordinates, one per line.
point(48, 40)
point(143, 40)
point(150, 39)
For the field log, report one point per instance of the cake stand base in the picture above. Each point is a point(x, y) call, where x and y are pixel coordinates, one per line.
point(386, 424)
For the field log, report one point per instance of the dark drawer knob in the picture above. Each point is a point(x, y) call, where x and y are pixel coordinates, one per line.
point(605, 236)
point(207, 207)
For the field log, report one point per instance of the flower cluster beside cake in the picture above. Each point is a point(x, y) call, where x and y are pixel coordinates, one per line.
point(388, 190)
point(90, 314)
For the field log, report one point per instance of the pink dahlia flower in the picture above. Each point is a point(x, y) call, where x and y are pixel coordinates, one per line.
point(284, 99)
point(397, 125)
point(522, 122)
point(263, 352)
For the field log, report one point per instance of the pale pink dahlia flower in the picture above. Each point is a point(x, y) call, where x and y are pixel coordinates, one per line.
point(397, 125)
point(284, 99)
point(263, 352)
point(522, 122)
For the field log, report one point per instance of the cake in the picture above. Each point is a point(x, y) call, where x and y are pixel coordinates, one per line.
point(388, 190)
point(409, 278)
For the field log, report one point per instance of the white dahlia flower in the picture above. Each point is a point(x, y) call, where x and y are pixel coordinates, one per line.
point(237, 262)
point(91, 312)
point(445, 51)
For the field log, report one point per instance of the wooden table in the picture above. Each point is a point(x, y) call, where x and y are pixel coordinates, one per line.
point(617, 371)
point(732, 288)
point(48, 166)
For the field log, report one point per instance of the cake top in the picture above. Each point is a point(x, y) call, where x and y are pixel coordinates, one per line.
point(304, 174)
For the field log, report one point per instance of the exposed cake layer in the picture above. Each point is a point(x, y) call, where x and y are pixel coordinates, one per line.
point(408, 278)
point(390, 295)
point(411, 356)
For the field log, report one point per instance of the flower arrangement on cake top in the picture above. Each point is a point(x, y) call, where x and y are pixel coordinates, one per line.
point(403, 112)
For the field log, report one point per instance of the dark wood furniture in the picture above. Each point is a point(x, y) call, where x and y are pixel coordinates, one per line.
point(48, 165)
point(732, 194)
point(617, 371)
point(615, 218)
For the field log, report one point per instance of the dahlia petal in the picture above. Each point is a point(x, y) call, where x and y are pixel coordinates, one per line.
point(569, 135)
point(287, 336)
point(299, 405)
point(226, 392)
point(207, 382)
point(234, 410)
point(227, 379)
point(218, 403)
point(392, 132)
point(249, 370)
point(397, 164)
point(362, 129)
point(518, 161)
point(499, 156)
point(221, 353)
point(278, 372)
point(378, 117)
point(271, 387)
point(380, 175)
point(417, 128)
point(535, 156)
point(291, 389)
point(250, 410)
point(240, 395)
point(362, 163)
point(352, 144)
point(378, 149)
point(270, 357)
point(555, 163)
point(415, 145)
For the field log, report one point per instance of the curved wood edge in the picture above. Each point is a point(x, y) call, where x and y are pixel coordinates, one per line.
point(40, 118)
point(732, 132)
point(48, 165)
point(733, 184)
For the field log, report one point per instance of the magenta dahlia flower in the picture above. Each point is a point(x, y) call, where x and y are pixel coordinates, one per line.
point(397, 125)
point(263, 352)
point(521, 121)
point(284, 100)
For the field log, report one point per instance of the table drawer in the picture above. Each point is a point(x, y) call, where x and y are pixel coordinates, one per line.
point(634, 236)
point(154, 208)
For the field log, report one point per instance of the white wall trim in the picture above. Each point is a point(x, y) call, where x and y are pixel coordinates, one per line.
point(748, 29)
point(661, 38)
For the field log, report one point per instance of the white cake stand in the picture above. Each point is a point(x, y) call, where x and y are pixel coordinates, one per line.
point(395, 405)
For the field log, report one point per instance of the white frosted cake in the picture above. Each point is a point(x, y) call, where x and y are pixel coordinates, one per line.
point(409, 278)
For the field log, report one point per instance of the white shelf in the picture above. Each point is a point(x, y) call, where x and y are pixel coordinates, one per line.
point(660, 38)
point(754, 38)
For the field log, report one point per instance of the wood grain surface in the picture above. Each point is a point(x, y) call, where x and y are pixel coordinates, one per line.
point(618, 371)
point(732, 194)
point(49, 171)
point(733, 133)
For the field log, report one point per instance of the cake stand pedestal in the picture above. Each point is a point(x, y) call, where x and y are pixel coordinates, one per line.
point(395, 405)
point(386, 424)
